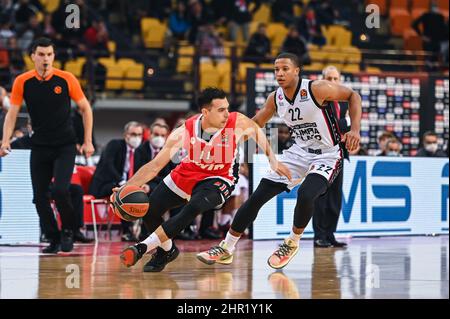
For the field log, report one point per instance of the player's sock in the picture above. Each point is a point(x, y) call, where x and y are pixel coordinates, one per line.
point(295, 237)
point(167, 245)
point(152, 242)
point(230, 241)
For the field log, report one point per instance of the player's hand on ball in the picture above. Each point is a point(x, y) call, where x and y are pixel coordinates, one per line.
point(351, 140)
point(146, 188)
point(281, 169)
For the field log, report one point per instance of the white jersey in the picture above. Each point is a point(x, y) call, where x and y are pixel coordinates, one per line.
point(313, 127)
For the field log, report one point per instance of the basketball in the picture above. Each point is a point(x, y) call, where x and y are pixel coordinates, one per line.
point(130, 203)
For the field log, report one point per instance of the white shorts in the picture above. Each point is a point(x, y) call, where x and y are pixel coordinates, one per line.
point(301, 163)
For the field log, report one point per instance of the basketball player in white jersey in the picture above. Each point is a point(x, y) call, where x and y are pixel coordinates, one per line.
point(315, 157)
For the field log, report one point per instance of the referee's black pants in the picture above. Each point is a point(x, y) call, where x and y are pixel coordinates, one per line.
point(47, 163)
point(327, 210)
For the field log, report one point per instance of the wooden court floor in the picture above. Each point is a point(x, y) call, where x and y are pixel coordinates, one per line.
point(388, 267)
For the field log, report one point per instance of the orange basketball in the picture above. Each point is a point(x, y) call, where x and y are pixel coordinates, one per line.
point(130, 203)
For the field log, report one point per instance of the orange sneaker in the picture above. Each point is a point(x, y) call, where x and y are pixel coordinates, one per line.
point(216, 254)
point(283, 255)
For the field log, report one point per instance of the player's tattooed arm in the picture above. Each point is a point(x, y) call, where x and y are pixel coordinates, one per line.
point(325, 91)
point(266, 112)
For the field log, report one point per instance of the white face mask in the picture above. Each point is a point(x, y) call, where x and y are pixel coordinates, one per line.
point(392, 153)
point(158, 141)
point(431, 147)
point(6, 103)
point(134, 141)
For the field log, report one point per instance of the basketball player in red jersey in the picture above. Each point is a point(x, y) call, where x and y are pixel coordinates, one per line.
point(204, 179)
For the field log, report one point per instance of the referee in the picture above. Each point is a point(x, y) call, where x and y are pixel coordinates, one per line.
point(47, 93)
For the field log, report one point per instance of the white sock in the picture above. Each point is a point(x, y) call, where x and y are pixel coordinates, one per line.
point(295, 237)
point(230, 241)
point(167, 245)
point(152, 242)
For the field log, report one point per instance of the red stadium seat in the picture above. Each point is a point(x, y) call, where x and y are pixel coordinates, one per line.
point(399, 4)
point(400, 20)
point(382, 4)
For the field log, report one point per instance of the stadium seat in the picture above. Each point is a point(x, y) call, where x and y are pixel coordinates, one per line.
point(315, 66)
point(320, 56)
point(112, 47)
point(411, 40)
point(224, 70)
point(185, 59)
point(399, 4)
point(263, 14)
point(92, 213)
point(353, 54)
point(382, 4)
point(443, 5)
point(421, 4)
point(209, 76)
point(350, 68)
point(75, 66)
point(133, 74)
point(373, 69)
point(337, 35)
point(114, 74)
point(276, 32)
point(400, 20)
point(417, 12)
point(50, 6)
point(242, 75)
point(153, 33)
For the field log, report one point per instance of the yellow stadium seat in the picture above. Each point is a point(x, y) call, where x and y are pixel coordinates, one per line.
point(373, 69)
point(75, 66)
point(209, 76)
point(263, 14)
point(313, 67)
point(243, 66)
point(112, 47)
point(319, 55)
point(50, 6)
point(353, 54)
point(133, 76)
point(29, 65)
point(114, 74)
point(153, 33)
point(351, 68)
point(266, 66)
point(224, 70)
point(276, 32)
point(184, 62)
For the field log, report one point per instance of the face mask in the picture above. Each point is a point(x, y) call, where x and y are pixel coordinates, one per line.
point(432, 147)
point(392, 153)
point(158, 141)
point(134, 141)
point(6, 103)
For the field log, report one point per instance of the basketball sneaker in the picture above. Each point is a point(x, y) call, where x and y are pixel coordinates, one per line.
point(283, 255)
point(161, 258)
point(216, 254)
point(131, 255)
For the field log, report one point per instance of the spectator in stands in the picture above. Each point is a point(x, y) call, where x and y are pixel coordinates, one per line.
point(16, 61)
point(116, 166)
point(433, 29)
point(259, 47)
point(284, 138)
point(96, 38)
point(283, 11)
point(393, 147)
point(32, 31)
point(198, 17)
point(178, 22)
point(47, 27)
point(7, 10)
point(296, 44)
point(430, 146)
point(23, 11)
point(211, 44)
point(309, 27)
point(6, 31)
point(382, 139)
point(326, 13)
point(240, 16)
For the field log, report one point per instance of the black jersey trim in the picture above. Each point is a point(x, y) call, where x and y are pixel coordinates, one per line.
point(312, 96)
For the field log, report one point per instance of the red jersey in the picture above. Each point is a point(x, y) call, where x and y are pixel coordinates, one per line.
point(213, 159)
